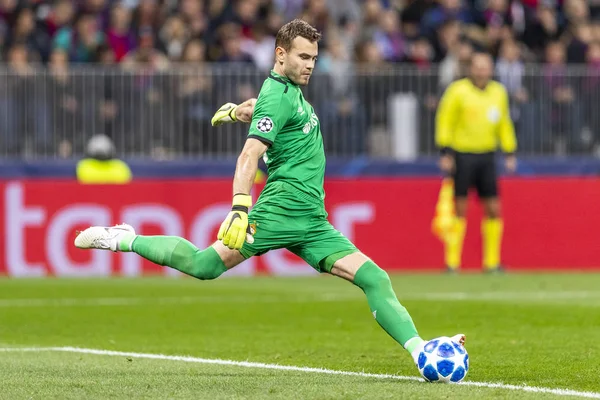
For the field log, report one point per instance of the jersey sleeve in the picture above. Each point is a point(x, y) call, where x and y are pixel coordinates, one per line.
point(271, 113)
point(447, 114)
point(506, 132)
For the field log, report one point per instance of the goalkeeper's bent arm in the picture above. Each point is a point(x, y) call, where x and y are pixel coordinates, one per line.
point(231, 112)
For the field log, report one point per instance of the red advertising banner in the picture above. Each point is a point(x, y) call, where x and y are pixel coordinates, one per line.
point(549, 224)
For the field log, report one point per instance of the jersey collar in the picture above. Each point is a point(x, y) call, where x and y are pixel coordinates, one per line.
point(477, 87)
point(281, 78)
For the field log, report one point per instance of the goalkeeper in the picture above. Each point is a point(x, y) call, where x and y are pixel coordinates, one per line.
point(290, 211)
point(473, 117)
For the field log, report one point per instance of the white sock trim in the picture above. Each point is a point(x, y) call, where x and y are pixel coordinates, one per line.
point(130, 244)
point(407, 344)
point(415, 352)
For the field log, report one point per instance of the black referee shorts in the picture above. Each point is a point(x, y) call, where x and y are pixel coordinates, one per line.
point(475, 170)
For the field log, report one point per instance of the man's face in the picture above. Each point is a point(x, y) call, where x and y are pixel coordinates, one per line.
point(63, 12)
point(59, 58)
point(593, 54)
point(510, 52)
point(18, 56)
point(451, 4)
point(481, 68)
point(299, 61)
point(450, 33)
point(555, 54)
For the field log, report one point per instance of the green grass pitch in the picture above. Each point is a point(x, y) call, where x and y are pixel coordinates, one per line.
point(539, 332)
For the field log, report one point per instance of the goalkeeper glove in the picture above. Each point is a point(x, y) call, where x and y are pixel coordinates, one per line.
point(224, 115)
point(235, 229)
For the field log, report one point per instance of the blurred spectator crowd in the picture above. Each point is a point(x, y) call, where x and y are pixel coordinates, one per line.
point(412, 31)
point(164, 50)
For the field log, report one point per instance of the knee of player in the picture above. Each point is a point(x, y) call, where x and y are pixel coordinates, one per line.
point(208, 277)
point(372, 276)
point(493, 214)
point(208, 274)
point(492, 210)
point(206, 266)
point(382, 278)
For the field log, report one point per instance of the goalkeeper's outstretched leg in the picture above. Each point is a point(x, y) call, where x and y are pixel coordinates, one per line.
point(170, 251)
point(385, 307)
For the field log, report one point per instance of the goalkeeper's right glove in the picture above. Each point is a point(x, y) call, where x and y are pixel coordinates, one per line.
point(235, 229)
point(224, 115)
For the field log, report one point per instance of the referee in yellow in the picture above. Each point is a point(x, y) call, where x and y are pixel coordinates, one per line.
point(472, 119)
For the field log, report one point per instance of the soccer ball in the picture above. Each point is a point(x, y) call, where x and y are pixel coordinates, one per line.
point(442, 360)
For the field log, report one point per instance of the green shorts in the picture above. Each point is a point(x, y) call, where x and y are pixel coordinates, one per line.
point(286, 218)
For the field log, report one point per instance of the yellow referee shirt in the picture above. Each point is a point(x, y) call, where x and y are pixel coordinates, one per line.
point(92, 171)
point(472, 120)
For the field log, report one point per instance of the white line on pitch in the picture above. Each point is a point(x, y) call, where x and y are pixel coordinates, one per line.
point(134, 301)
point(540, 296)
point(248, 364)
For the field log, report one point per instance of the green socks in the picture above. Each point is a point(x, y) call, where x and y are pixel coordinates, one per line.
point(180, 254)
point(386, 308)
point(177, 253)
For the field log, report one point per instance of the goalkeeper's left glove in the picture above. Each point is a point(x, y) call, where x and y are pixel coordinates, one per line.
point(224, 115)
point(235, 229)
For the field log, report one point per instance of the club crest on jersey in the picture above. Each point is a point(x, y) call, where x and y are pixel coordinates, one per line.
point(493, 114)
point(265, 124)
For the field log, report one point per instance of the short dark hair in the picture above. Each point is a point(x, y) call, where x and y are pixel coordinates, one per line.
point(288, 32)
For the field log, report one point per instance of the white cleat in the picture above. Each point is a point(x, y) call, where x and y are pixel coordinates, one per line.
point(459, 338)
point(104, 238)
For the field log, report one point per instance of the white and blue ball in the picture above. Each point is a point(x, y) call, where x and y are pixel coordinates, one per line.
point(442, 360)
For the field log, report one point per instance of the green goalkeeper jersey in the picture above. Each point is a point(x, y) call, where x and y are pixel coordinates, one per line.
point(285, 121)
